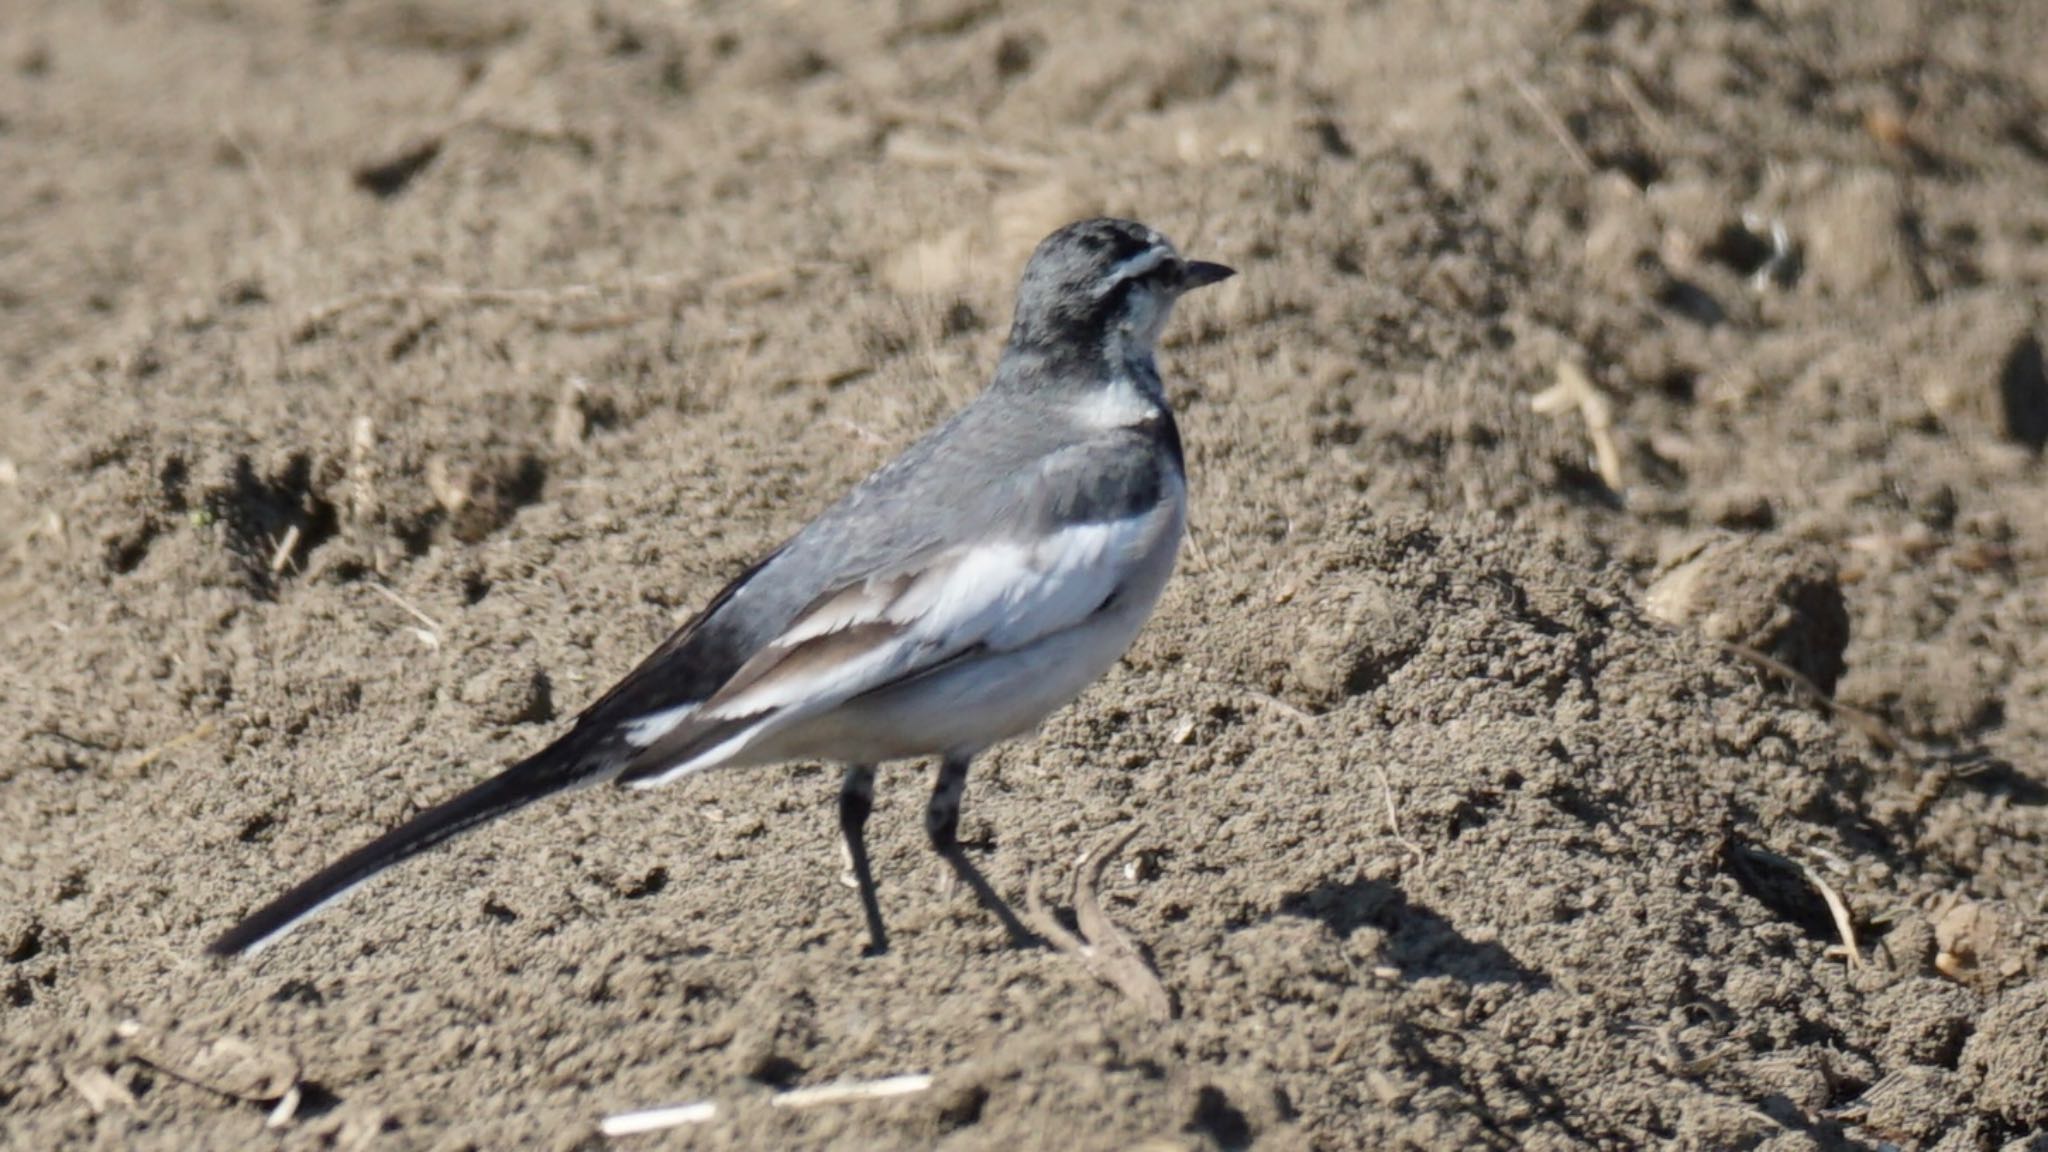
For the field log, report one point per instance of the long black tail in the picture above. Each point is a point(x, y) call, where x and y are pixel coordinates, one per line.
point(557, 768)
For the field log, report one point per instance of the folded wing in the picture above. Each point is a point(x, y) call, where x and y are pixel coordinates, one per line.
point(1054, 564)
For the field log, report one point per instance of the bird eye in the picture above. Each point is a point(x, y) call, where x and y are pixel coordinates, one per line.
point(1169, 271)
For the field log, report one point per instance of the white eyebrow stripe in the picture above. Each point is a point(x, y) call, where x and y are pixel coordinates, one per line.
point(1139, 265)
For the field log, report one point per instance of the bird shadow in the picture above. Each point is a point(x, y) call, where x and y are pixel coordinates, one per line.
point(1420, 941)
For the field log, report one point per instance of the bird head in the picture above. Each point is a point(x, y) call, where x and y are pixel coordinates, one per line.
point(1101, 285)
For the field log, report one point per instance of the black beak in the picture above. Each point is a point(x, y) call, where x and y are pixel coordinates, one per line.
point(1200, 274)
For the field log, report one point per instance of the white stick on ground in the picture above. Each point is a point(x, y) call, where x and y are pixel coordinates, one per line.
point(847, 1091)
point(657, 1119)
point(678, 1115)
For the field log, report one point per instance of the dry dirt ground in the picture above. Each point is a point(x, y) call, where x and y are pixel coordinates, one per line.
point(1603, 702)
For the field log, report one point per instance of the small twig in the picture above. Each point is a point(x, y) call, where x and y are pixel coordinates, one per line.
point(227, 1065)
point(845, 1092)
point(848, 1091)
point(1845, 927)
point(919, 151)
point(1102, 948)
point(281, 558)
point(64, 737)
point(430, 635)
point(286, 1109)
point(150, 756)
point(1868, 723)
point(1302, 719)
point(911, 112)
point(1576, 390)
point(362, 469)
point(608, 323)
point(1196, 550)
point(1553, 123)
point(1394, 816)
point(1632, 95)
point(657, 1119)
point(1088, 898)
point(100, 1091)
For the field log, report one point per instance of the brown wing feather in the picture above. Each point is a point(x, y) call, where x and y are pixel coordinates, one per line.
point(866, 601)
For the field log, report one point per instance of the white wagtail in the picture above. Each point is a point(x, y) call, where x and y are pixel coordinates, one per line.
point(953, 600)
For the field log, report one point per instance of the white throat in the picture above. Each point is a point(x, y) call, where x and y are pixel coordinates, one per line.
point(1131, 395)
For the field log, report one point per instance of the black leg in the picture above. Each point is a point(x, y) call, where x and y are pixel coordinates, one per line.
point(942, 824)
point(856, 801)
